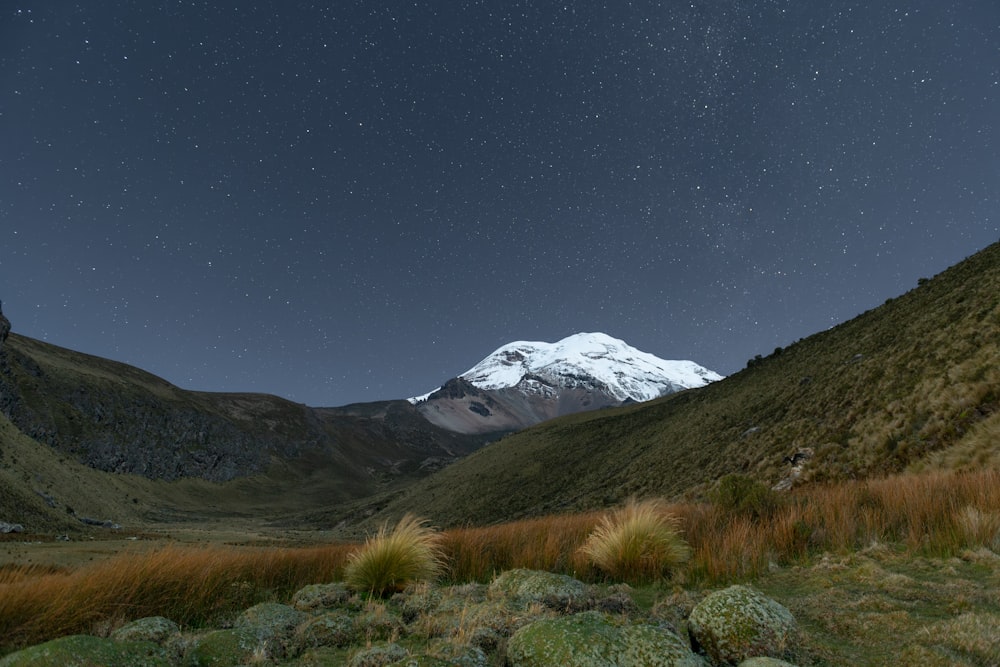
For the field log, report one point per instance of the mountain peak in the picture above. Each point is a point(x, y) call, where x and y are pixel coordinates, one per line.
point(585, 360)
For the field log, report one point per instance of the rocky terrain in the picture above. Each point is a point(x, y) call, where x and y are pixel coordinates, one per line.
point(523, 618)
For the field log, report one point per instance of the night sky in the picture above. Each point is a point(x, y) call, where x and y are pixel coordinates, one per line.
point(354, 201)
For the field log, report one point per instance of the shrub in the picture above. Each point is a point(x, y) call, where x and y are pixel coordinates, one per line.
point(745, 496)
point(389, 561)
point(637, 543)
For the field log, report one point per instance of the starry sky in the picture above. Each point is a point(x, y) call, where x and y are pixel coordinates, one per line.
point(352, 201)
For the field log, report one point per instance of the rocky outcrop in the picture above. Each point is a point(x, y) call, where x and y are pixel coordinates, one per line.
point(4, 328)
point(11, 527)
point(738, 623)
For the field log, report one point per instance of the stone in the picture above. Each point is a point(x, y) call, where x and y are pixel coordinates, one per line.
point(154, 629)
point(272, 624)
point(378, 623)
point(379, 654)
point(320, 596)
point(739, 622)
point(86, 651)
point(11, 527)
point(224, 647)
point(457, 654)
point(765, 662)
point(335, 628)
point(557, 591)
point(592, 639)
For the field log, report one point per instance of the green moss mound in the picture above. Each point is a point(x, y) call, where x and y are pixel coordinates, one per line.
point(223, 647)
point(86, 651)
point(591, 639)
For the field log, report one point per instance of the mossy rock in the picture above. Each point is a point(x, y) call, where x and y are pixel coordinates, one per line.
point(421, 661)
point(591, 639)
point(557, 591)
point(87, 651)
point(380, 654)
point(321, 657)
point(765, 662)
point(490, 620)
point(273, 625)
point(154, 629)
point(321, 596)
point(224, 647)
point(271, 619)
point(378, 624)
point(737, 623)
point(335, 628)
point(457, 654)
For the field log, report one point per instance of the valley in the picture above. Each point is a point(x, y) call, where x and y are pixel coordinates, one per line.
point(881, 436)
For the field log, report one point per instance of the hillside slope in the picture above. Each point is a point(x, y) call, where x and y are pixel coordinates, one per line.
point(912, 383)
point(75, 427)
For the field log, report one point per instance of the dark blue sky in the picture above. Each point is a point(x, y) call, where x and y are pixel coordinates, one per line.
point(357, 201)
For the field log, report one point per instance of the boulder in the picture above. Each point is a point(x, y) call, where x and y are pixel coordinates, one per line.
point(739, 622)
point(11, 527)
point(592, 639)
point(320, 596)
point(422, 661)
point(335, 628)
point(378, 654)
point(557, 591)
point(224, 647)
point(86, 651)
point(272, 624)
point(378, 623)
point(457, 654)
point(154, 629)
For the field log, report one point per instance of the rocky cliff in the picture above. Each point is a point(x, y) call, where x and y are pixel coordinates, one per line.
point(117, 418)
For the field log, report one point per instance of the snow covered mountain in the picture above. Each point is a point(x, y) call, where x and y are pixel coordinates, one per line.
point(523, 383)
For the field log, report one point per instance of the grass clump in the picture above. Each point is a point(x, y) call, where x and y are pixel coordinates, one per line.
point(389, 561)
point(639, 542)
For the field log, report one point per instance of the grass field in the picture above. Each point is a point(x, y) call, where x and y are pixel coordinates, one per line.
point(912, 558)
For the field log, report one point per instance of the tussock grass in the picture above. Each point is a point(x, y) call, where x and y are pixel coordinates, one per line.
point(638, 543)
point(927, 515)
point(391, 560)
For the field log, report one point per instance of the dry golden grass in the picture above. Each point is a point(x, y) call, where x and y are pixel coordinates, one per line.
point(547, 543)
point(936, 514)
point(190, 586)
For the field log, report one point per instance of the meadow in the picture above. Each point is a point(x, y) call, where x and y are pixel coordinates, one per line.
point(914, 531)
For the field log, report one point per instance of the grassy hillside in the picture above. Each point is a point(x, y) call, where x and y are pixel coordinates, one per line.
point(912, 384)
point(110, 441)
